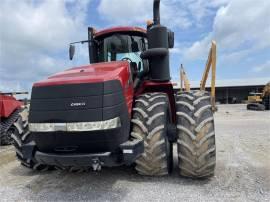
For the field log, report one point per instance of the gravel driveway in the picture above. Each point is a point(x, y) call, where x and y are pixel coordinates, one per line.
point(242, 172)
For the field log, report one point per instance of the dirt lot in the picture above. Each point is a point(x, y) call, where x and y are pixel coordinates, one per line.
point(242, 172)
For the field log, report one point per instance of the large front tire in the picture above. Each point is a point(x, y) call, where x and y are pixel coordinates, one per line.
point(150, 120)
point(196, 135)
point(21, 137)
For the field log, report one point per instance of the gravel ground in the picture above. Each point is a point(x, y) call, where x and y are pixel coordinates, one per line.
point(242, 172)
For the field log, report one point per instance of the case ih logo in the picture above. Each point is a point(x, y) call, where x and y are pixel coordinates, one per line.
point(77, 104)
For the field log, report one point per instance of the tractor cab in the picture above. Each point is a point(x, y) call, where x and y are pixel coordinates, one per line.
point(120, 46)
point(117, 44)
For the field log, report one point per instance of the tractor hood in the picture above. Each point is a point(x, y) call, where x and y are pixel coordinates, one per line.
point(94, 73)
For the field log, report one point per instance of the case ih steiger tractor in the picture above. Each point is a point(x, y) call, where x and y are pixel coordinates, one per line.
point(13, 117)
point(119, 110)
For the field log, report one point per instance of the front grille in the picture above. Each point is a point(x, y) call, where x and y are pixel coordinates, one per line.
point(76, 102)
point(103, 101)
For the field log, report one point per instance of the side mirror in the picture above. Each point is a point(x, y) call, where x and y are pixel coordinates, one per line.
point(71, 51)
point(171, 38)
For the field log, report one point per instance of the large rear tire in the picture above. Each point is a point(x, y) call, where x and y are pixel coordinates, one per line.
point(196, 135)
point(150, 120)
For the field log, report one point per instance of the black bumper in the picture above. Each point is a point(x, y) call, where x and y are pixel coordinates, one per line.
point(128, 152)
point(78, 160)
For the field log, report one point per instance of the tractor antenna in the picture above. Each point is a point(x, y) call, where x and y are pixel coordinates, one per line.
point(156, 12)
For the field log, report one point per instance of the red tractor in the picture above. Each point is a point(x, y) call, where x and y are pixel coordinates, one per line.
point(11, 121)
point(119, 110)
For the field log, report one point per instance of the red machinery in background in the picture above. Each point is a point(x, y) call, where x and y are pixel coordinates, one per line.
point(10, 119)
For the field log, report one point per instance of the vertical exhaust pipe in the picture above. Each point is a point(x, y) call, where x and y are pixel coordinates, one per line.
point(156, 12)
point(157, 53)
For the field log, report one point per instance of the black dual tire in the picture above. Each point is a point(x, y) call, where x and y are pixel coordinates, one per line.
point(196, 134)
point(149, 122)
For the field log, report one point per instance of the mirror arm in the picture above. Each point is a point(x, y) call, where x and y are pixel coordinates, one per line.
point(82, 42)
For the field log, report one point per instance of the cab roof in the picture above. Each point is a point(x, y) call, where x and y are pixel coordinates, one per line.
point(108, 31)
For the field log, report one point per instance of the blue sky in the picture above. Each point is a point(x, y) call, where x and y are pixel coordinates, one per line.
point(34, 41)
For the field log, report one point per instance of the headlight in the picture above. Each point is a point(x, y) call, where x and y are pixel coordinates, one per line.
point(97, 125)
point(41, 127)
point(76, 127)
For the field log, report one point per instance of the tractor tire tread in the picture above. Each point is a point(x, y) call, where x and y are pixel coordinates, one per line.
point(196, 136)
point(155, 161)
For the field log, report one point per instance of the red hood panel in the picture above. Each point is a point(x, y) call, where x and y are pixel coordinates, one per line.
point(93, 73)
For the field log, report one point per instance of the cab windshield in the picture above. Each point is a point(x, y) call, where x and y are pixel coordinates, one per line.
point(122, 47)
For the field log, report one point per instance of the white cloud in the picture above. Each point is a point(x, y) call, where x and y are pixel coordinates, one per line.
point(124, 12)
point(139, 11)
point(241, 25)
point(194, 11)
point(175, 50)
point(201, 8)
point(243, 21)
point(34, 37)
point(199, 49)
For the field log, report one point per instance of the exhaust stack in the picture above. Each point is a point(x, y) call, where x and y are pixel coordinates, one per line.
point(156, 11)
point(159, 42)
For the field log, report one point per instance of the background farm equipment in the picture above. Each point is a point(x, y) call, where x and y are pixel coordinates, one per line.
point(260, 101)
point(13, 116)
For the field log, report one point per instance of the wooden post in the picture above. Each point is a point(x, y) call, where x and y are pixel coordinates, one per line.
point(206, 70)
point(184, 79)
point(211, 62)
point(213, 80)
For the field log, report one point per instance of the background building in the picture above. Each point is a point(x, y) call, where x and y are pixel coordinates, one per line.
point(232, 91)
